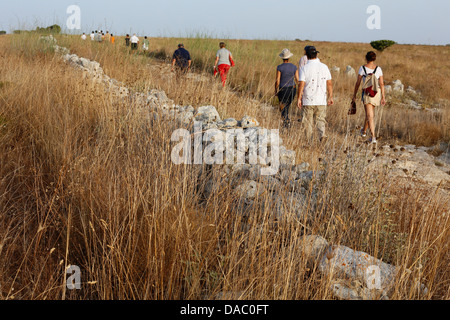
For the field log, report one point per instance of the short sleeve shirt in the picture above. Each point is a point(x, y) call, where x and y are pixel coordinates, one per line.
point(315, 75)
point(224, 56)
point(287, 71)
point(182, 57)
point(378, 74)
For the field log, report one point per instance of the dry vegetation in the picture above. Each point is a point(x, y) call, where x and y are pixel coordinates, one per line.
point(83, 181)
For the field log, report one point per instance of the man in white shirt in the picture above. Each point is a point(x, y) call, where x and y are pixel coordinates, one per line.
point(315, 93)
point(134, 42)
point(83, 37)
point(92, 35)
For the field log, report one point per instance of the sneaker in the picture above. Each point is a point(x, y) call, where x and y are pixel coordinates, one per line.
point(363, 134)
point(372, 141)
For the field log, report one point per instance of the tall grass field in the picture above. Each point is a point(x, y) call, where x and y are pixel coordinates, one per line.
point(84, 182)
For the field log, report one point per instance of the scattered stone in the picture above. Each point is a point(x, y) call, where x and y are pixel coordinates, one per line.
point(207, 114)
point(250, 189)
point(398, 87)
point(350, 72)
point(228, 123)
point(249, 122)
point(335, 70)
point(341, 262)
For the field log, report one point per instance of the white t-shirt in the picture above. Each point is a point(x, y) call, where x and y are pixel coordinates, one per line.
point(92, 35)
point(315, 75)
point(378, 74)
point(83, 37)
point(134, 39)
point(303, 61)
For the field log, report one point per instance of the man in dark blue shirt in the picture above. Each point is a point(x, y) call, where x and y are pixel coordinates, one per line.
point(181, 59)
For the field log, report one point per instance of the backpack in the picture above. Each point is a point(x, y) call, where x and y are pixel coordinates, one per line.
point(370, 86)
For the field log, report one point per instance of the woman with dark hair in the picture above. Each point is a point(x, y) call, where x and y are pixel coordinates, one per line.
point(373, 95)
point(286, 84)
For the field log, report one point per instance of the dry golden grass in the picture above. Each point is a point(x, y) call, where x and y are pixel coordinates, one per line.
point(84, 181)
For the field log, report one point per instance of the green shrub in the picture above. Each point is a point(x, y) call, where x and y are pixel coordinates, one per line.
point(51, 29)
point(380, 45)
point(2, 32)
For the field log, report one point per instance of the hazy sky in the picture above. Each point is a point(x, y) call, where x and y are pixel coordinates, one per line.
point(404, 21)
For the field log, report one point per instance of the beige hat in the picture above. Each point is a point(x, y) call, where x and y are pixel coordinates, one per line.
point(285, 54)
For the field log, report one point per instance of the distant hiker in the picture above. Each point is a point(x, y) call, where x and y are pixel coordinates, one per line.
point(83, 36)
point(127, 40)
point(108, 36)
point(97, 36)
point(145, 44)
point(304, 59)
point(286, 84)
point(181, 59)
point(372, 94)
point(103, 36)
point(134, 42)
point(224, 61)
point(92, 35)
point(315, 85)
point(113, 39)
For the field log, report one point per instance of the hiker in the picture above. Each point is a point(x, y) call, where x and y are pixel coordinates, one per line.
point(127, 40)
point(83, 36)
point(92, 35)
point(315, 85)
point(113, 39)
point(304, 59)
point(372, 94)
point(96, 36)
point(181, 59)
point(134, 42)
point(108, 36)
point(286, 84)
point(223, 63)
point(145, 44)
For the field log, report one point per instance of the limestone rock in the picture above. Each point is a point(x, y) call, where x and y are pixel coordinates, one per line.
point(207, 114)
point(398, 87)
point(228, 123)
point(249, 189)
point(249, 122)
point(350, 72)
point(341, 262)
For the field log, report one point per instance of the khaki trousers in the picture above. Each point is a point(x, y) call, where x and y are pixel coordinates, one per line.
point(317, 113)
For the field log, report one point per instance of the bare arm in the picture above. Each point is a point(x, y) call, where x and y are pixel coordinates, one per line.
point(330, 92)
point(383, 97)
point(277, 81)
point(215, 63)
point(301, 86)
